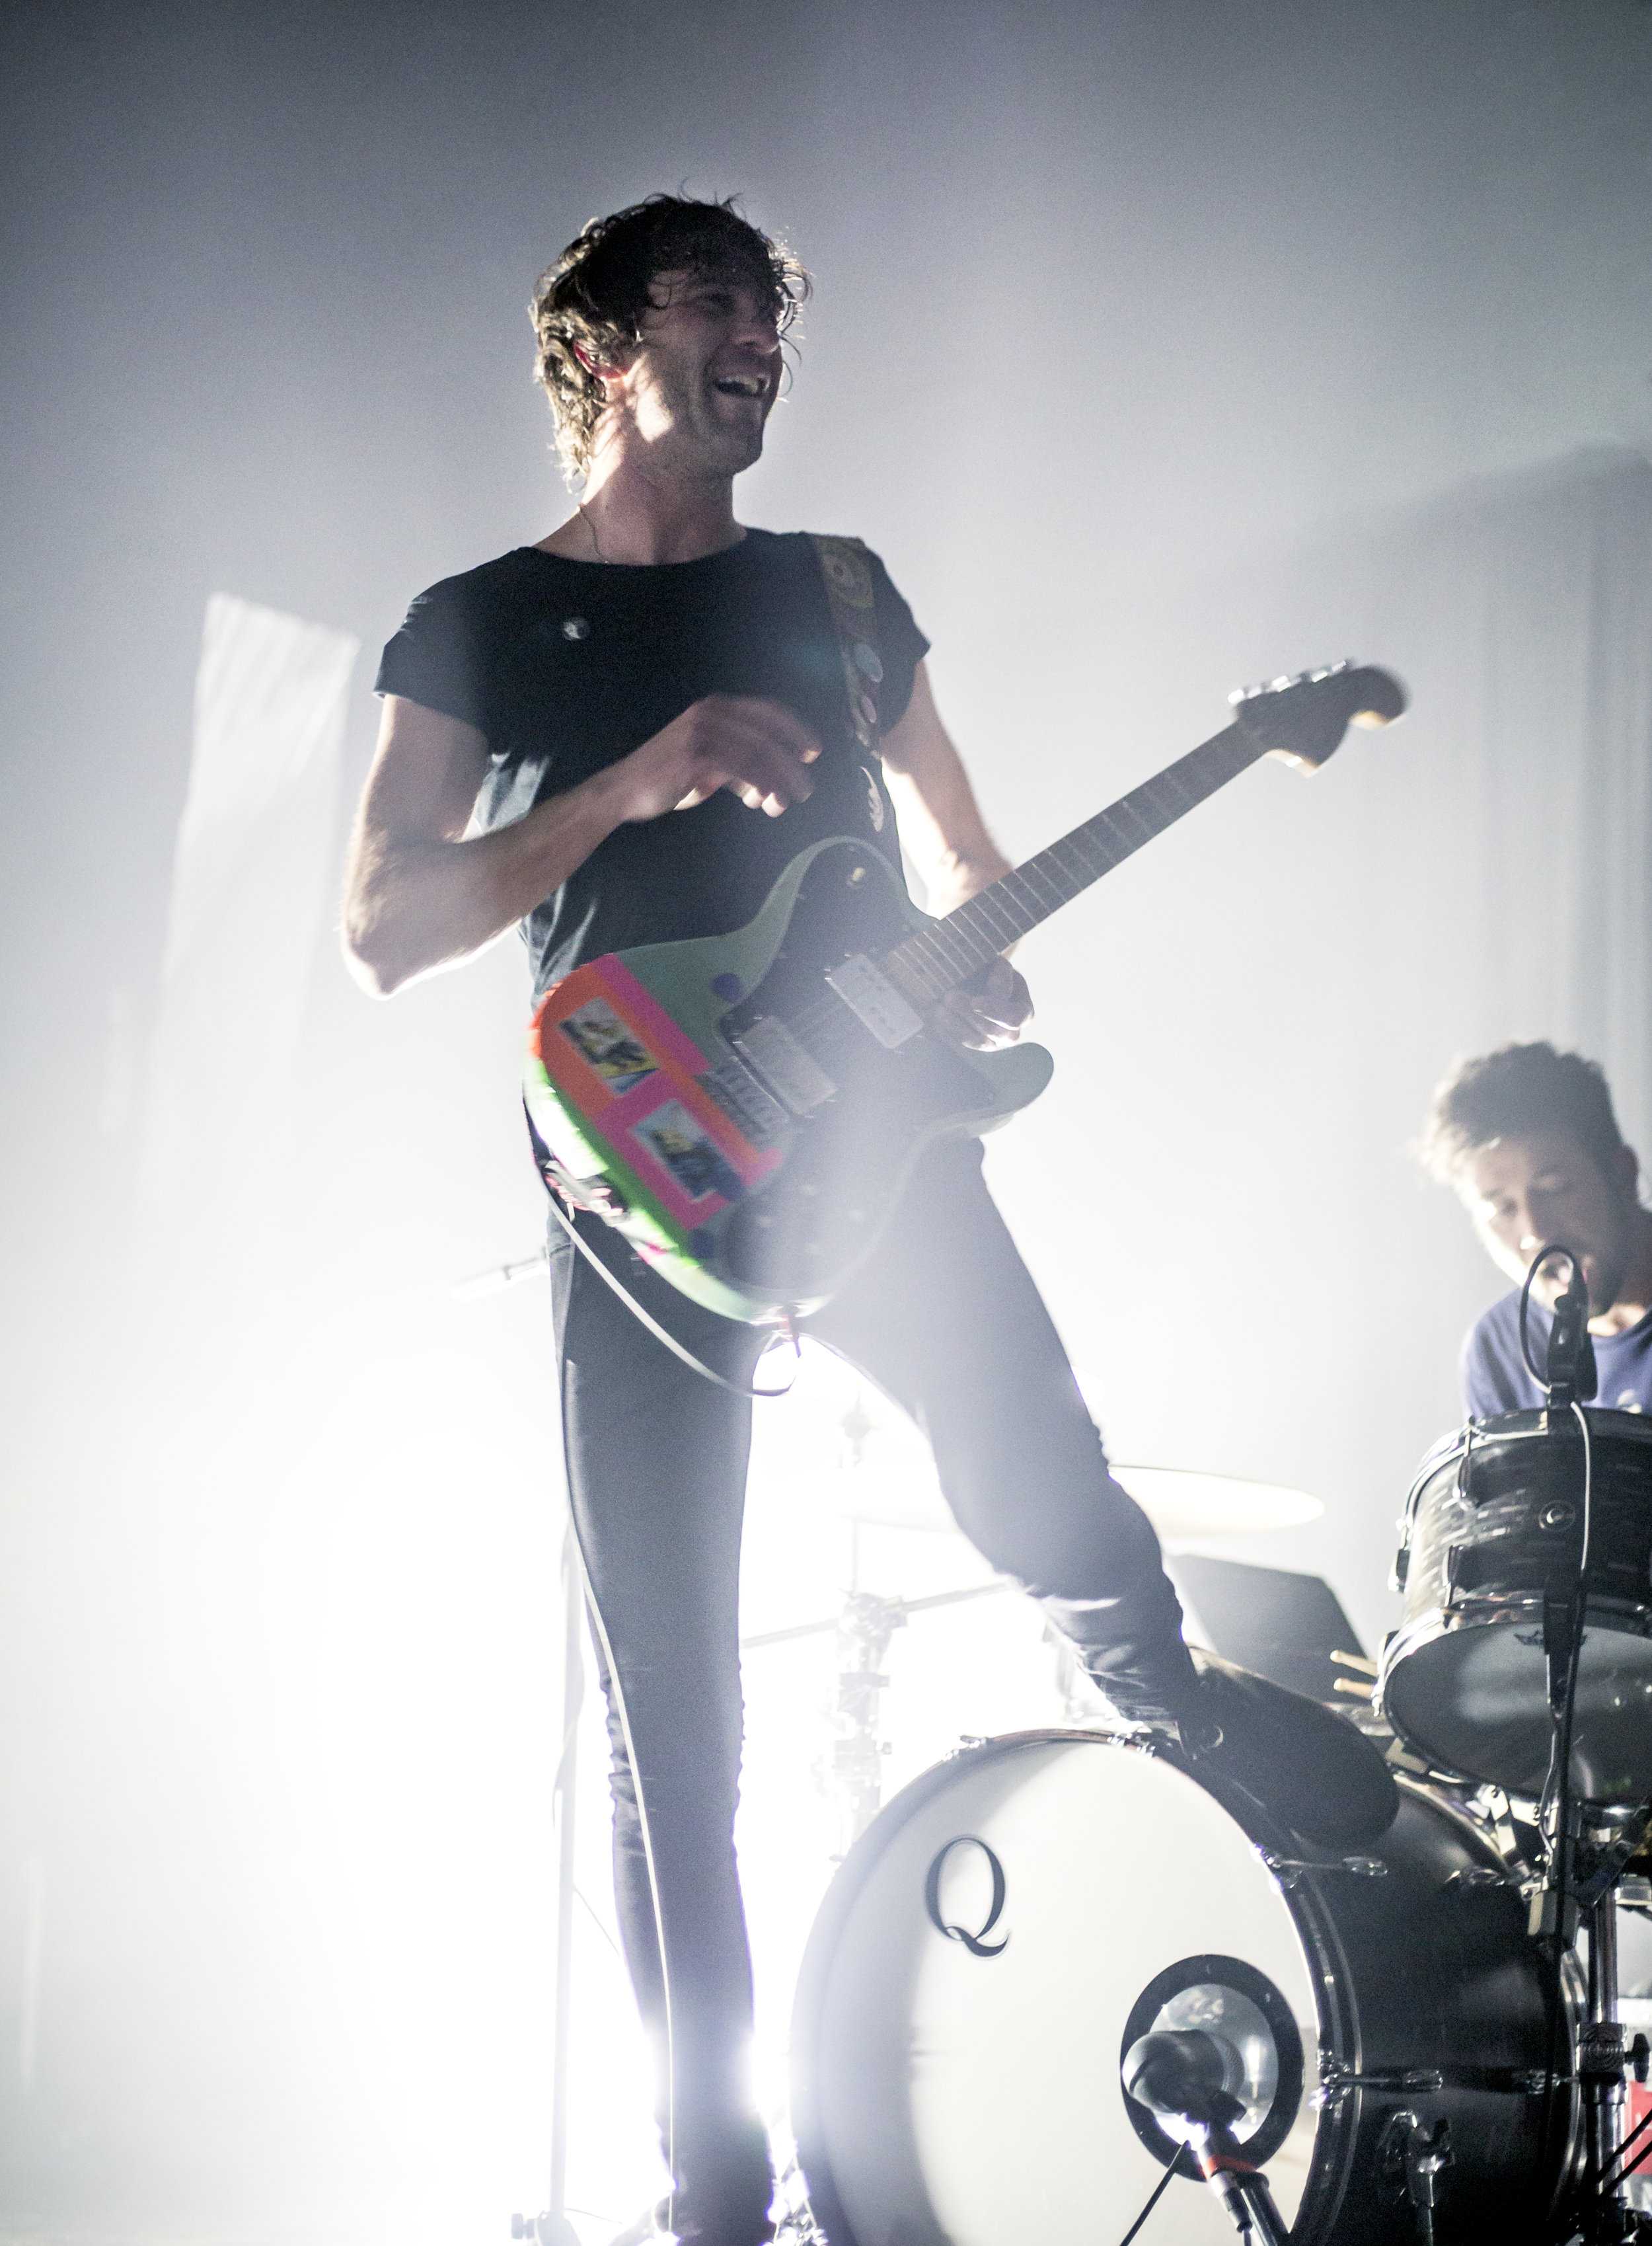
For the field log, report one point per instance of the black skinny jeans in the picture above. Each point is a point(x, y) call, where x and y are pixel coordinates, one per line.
point(945, 1318)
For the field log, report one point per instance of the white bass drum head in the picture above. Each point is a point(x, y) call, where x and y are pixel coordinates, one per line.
point(963, 2088)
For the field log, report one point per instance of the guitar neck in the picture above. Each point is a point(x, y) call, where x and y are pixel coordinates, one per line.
point(946, 954)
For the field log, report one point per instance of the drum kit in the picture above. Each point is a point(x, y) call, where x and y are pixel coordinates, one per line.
point(1070, 1984)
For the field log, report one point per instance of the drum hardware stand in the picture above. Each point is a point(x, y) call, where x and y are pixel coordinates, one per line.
point(552, 2227)
point(1417, 2160)
point(1565, 1900)
point(865, 1627)
point(1603, 2058)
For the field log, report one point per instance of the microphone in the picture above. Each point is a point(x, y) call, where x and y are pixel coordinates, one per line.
point(1185, 2074)
point(1570, 1372)
point(1189, 2075)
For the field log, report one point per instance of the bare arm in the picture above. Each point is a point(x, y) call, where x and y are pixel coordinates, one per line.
point(943, 831)
point(420, 894)
point(941, 821)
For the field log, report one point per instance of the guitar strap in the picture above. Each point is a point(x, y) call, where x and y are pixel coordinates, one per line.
point(848, 572)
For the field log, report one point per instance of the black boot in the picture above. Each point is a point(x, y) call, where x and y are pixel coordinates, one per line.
point(1306, 1767)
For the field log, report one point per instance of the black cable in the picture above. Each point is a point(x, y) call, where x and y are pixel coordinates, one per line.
point(1639, 2130)
point(1622, 2175)
point(1156, 2194)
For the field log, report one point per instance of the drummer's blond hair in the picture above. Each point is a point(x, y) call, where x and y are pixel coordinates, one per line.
point(1512, 1092)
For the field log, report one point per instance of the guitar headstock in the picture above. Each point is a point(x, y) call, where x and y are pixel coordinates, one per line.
point(1303, 719)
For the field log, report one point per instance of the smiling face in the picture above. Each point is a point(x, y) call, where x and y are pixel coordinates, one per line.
point(698, 389)
point(1544, 1188)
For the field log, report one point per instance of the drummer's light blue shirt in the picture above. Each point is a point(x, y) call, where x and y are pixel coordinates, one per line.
point(1494, 1375)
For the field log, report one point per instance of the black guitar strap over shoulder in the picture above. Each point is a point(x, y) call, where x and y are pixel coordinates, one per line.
point(849, 591)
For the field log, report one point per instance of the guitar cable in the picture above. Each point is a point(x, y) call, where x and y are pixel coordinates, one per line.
point(748, 1392)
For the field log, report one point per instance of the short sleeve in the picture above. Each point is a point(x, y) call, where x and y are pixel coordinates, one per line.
point(1477, 1376)
point(902, 647)
point(1493, 1375)
point(437, 657)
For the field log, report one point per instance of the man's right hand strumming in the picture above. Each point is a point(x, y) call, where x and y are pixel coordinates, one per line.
point(421, 892)
point(755, 749)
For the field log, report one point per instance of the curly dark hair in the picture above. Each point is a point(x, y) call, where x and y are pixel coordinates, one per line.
point(592, 299)
point(1512, 1092)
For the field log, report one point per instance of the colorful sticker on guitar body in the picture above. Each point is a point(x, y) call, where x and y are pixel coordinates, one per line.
point(618, 1063)
point(699, 1167)
point(619, 1057)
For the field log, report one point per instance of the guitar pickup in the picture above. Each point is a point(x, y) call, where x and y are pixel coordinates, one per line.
point(784, 1065)
point(869, 993)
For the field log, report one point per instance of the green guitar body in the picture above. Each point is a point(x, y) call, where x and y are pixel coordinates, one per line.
point(746, 1108)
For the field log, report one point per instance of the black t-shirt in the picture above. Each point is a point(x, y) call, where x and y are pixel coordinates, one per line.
point(567, 666)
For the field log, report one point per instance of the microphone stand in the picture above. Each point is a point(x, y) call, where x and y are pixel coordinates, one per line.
point(1242, 2189)
point(1178, 2074)
point(1569, 1380)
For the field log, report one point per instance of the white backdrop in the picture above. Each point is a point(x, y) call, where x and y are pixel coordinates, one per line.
point(1160, 345)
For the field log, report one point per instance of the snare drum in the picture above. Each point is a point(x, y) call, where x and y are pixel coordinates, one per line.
point(1010, 1925)
point(1493, 1527)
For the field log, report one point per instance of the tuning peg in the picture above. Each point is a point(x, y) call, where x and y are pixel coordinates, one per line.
point(1286, 681)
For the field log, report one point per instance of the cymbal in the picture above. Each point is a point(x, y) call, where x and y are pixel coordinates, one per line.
point(1182, 1503)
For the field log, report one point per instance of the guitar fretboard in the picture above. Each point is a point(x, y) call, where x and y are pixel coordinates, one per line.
point(944, 956)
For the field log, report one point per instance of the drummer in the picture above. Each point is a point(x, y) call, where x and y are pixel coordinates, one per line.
point(1528, 1138)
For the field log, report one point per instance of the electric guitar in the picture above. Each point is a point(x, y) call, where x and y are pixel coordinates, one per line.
point(745, 1109)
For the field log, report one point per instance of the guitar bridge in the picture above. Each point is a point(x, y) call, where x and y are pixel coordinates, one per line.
point(786, 1065)
point(737, 1091)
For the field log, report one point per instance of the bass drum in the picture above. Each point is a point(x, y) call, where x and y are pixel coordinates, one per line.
point(1017, 1916)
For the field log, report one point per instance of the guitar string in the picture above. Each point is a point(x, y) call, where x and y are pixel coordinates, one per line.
point(925, 949)
point(827, 1027)
point(941, 958)
point(823, 1017)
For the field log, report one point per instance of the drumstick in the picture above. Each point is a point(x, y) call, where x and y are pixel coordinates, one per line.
point(1355, 1661)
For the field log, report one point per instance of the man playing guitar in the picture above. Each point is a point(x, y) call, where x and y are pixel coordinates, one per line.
point(621, 736)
